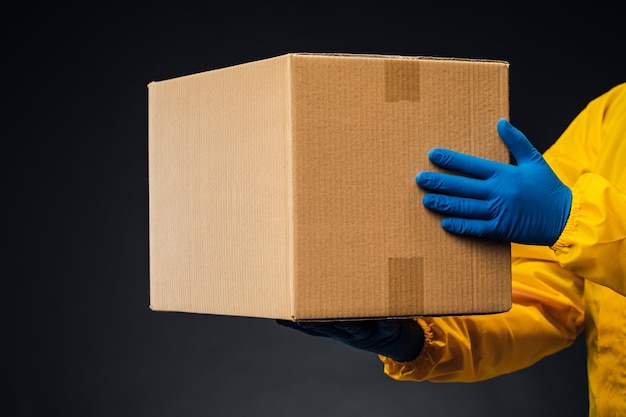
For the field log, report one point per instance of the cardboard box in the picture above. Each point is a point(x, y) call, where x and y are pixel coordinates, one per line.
point(284, 188)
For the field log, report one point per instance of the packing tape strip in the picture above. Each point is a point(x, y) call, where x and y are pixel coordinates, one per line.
point(405, 285)
point(402, 80)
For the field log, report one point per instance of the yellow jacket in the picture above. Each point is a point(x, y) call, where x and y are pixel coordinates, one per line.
point(577, 284)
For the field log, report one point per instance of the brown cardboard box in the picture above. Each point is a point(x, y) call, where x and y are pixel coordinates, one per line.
point(284, 188)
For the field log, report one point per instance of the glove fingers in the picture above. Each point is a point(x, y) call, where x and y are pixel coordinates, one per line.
point(358, 329)
point(466, 164)
point(452, 185)
point(328, 329)
point(300, 327)
point(345, 331)
point(287, 323)
point(516, 141)
point(477, 228)
point(458, 207)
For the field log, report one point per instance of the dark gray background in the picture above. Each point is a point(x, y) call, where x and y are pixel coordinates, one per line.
point(80, 339)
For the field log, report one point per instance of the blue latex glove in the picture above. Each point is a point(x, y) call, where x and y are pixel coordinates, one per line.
point(523, 203)
point(401, 340)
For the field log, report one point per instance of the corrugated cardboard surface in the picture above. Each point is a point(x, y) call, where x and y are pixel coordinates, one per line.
point(284, 188)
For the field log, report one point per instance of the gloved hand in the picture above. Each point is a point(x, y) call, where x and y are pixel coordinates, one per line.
point(523, 203)
point(401, 340)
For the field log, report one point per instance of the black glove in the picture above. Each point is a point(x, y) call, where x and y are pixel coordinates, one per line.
point(401, 340)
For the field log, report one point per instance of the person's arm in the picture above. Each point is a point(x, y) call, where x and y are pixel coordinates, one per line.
point(526, 203)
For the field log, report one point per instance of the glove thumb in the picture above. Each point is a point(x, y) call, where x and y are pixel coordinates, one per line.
point(520, 147)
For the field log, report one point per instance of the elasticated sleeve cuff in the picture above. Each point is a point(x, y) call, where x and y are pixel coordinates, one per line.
point(418, 368)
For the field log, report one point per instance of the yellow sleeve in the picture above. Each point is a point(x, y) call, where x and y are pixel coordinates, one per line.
point(547, 316)
point(593, 243)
